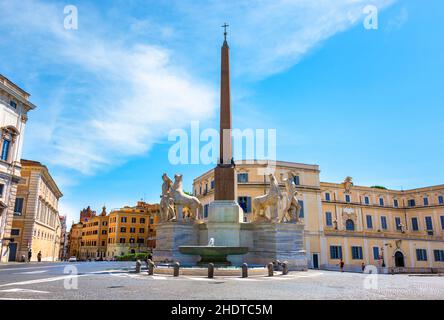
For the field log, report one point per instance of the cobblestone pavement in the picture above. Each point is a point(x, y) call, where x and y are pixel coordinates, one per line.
point(117, 280)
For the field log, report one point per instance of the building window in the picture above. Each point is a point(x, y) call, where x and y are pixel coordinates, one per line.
point(133, 220)
point(151, 220)
point(376, 253)
point(2, 187)
point(441, 199)
point(15, 232)
point(297, 180)
point(383, 223)
point(349, 225)
point(122, 240)
point(335, 252)
point(132, 240)
point(347, 198)
point(5, 149)
point(426, 201)
point(328, 219)
point(398, 223)
point(18, 207)
point(122, 229)
point(242, 177)
point(415, 226)
point(381, 202)
point(123, 219)
point(140, 240)
point(245, 203)
point(366, 200)
point(212, 184)
point(369, 222)
point(395, 203)
point(442, 222)
point(142, 220)
point(13, 104)
point(411, 203)
point(327, 196)
point(439, 255)
point(421, 254)
point(206, 210)
point(132, 230)
point(356, 253)
point(429, 224)
point(103, 231)
point(141, 230)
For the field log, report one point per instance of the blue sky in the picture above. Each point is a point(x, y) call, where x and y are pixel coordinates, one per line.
point(358, 102)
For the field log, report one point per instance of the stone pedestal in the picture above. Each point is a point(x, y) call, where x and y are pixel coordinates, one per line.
point(279, 241)
point(171, 235)
point(224, 225)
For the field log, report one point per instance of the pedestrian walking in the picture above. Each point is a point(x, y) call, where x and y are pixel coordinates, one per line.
point(341, 265)
point(363, 267)
point(29, 255)
point(39, 256)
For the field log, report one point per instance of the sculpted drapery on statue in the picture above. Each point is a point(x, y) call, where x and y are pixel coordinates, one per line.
point(278, 206)
point(167, 212)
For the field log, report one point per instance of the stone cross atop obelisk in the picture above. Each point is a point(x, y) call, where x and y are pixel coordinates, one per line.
point(225, 182)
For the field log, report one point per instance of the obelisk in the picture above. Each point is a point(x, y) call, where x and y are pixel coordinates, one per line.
point(225, 173)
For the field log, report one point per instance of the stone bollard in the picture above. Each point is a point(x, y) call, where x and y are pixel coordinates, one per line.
point(285, 268)
point(150, 268)
point(270, 269)
point(176, 269)
point(244, 270)
point(138, 266)
point(211, 270)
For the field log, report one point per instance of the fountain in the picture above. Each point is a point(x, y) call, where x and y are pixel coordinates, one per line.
point(212, 253)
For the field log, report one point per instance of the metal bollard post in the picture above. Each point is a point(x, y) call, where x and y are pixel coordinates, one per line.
point(176, 269)
point(244, 270)
point(270, 269)
point(138, 266)
point(211, 270)
point(285, 268)
point(150, 267)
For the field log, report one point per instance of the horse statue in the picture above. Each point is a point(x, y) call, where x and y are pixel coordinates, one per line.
point(167, 212)
point(182, 200)
point(270, 200)
point(292, 207)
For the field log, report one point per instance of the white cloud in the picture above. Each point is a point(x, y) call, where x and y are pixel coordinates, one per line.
point(272, 36)
point(120, 98)
point(398, 20)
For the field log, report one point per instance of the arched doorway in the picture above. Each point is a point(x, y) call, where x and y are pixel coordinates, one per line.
point(399, 259)
point(349, 225)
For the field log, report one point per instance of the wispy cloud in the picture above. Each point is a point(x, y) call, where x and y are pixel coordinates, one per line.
point(114, 98)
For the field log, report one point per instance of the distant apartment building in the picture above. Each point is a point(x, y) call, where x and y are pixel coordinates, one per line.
point(63, 254)
point(94, 237)
point(122, 231)
point(74, 240)
point(36, 224)
point(14, 107)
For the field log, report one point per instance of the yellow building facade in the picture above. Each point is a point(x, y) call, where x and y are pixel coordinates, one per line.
point(75, 239)
point(107, 236)
point(132, 229)
point(94, 237)
point(396, 231)
point(36, 222)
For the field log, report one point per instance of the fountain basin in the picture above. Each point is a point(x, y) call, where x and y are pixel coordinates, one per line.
point(213, 254)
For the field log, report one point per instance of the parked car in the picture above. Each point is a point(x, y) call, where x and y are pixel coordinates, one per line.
point(72, 259)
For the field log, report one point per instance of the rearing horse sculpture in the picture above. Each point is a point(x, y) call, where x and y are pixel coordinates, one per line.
point(270, 200)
